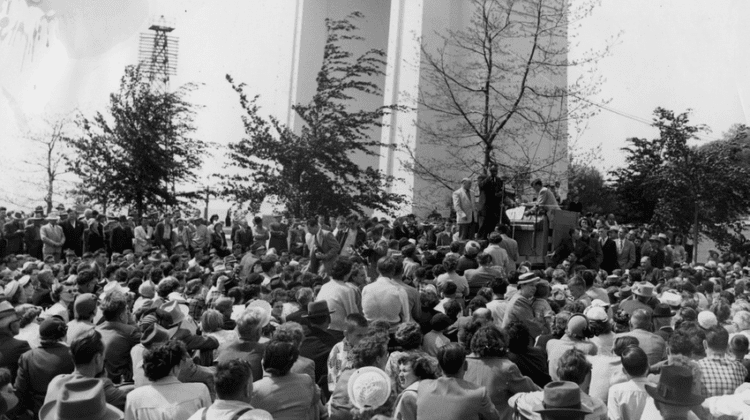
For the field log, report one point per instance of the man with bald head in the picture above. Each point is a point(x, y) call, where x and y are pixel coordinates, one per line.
point(640, 328)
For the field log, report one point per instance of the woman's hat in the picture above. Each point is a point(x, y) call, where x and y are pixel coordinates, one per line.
point(562, 397)
point(173, 309)
point(675, 387)
point(527, 278)
point(265, 307)
point(369, 388)
point(317, 309)
point(80, 399)
point(11, 288)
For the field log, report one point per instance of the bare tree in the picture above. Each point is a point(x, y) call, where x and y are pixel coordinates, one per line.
point(47, 158)
point(497, 92)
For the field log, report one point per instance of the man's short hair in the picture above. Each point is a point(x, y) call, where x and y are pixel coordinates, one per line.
point(248, 325)
point(85, 277)
point(387, 266)
point(312, 222)
point(451, 358)
point(536, 182)
point(113, 305)
point(499, 286)
point(640, 319)
point(634, 361)
point(495, 237)
point(85, 346)
point(484, 258)
point(717, 338)
point(355, 320)
point(341, 267)
point(577, 281)
point(232, 377)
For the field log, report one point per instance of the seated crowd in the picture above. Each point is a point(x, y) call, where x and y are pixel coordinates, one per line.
point(371, 319)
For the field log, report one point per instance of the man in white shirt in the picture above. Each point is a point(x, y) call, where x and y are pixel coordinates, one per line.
point(627, 400)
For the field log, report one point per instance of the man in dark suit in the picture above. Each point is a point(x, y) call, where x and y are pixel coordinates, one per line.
point(491, 194)
point(350, 236)
point(323, 246)
point(450, 396)
point(73, 230)
point(574, 245)
point(625, 250)
point(318, 342)
point(163, 234)
point(13, 232)
point(122, 237)
point(609, 249)
point(118, 336)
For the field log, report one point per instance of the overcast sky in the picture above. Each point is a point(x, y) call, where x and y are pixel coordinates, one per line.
point(677, 54)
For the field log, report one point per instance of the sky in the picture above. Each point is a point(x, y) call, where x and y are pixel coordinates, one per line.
point(59, 57)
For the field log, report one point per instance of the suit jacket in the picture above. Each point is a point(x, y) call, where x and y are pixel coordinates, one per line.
point(626, 256)
point(358, 241)
point(463, 203)
point(583, 252)
point(93, 239)
point(74, 236)
point(609, 250)
point(316, 346)
point(451, 398)
point(14, 233)
point(326, 243)
point(118, 339)
point(53, 238)
point(159, 236)
point(10, 350)
point(122, 239)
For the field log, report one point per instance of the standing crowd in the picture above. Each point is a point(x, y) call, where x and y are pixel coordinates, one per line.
point(164, 318)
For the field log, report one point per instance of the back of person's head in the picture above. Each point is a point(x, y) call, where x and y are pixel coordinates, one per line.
point(634, 361)
point(573, 366)
point(211, 321)
point(232, 378)
point(341, 267)
point(85, 346)
point(476, 303)
point(519, 337)
point(450, 288)
point(484, 258)
point(495, 238)
point(488, 341)
point(304, 296)
point(249, 324)
point(451, 358)
point(440, 322)
point(355, 320)
point(290, 331)
point(279, 357)
point(409, 336)
point(680, 343)
point(450, 263)
point(387, 266)
point(369, 351)
point(576, 281)
point(717, 339)
point(159, 360)
point(640, 319)
point(739, 344)
point(452, 309)
point(589, 276)
point(113, 305)
point(499, 286)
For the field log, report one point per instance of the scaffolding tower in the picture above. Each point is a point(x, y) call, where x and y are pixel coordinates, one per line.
point(157, 53)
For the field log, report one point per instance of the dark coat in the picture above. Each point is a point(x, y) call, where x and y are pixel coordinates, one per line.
point(10, 350)
point(609, 249)
point(14, 233)
point(249, 351)
point(358, 241)
point(118, 339)
point(36, 369)
point(93, 239)
point(73, 236)
point(122, 239)
point(316, 346)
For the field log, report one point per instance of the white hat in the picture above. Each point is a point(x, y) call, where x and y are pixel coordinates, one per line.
point(527, 278)
point(177, 297)
point(27, 264)
point(265, 307)
point(599, 303)
point(53, 215)
point(23, 281)
point(369, 388)
point(11, 288)
point(671, 299)
point(707, 319)
point(596, 313)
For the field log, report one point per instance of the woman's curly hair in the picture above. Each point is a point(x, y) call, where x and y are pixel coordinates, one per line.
point(159, 360)
point(368, 350)
point(489, 341)
point(409, 336)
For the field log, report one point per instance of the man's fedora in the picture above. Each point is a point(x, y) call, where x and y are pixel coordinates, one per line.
point(81, 399)
point(675, 387)
point(563, 399)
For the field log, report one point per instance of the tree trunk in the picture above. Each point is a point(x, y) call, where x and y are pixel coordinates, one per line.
point(695, 234)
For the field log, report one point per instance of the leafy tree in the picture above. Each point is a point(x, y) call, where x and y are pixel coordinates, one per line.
point(587, 183)
point(312, 171)
point(496, 91)
point(670, 183)
point(143, 145)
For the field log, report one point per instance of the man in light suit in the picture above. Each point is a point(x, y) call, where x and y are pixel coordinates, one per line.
point(450, 396)
point(52, 236)
point(323, 248)
point(466, 211)
point(625, 250)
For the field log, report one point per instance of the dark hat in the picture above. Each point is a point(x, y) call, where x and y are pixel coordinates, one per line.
point(85, 305)
point(562, 397)
point(675, 387)
point(154, 334)
point(625, 292)
point(80, 399)
point(662, 310)
point(53, 328)
point(317, 309)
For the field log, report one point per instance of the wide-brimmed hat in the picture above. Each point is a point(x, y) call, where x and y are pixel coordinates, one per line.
point(175, 313)
point(369, 388)
point(80, 399)
point(527, 278)
point(7, 313)
point(53, 215)
point(154, 334)
point(562, 397)
point(624, 292)
point(707, 320)
point(672, 299)
point(11, 288)
point(675, 387)
point(265, 308)
point(318, 309)
point(596, 313)
point(644, 289)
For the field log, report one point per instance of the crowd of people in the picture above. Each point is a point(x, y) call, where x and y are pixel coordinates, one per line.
point(162, 317)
